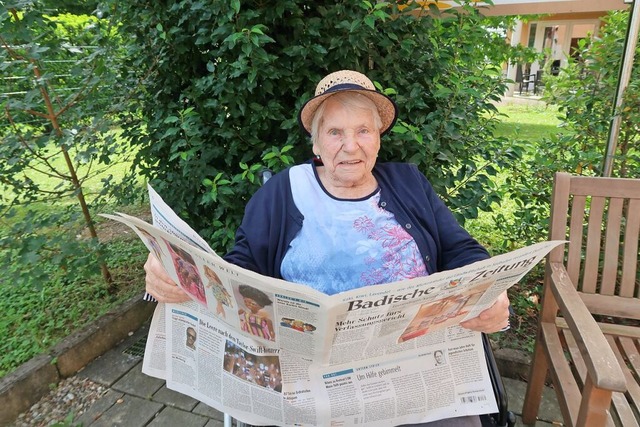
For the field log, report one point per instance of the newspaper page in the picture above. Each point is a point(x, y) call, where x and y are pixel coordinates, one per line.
point(165, 218)
point(270, 352)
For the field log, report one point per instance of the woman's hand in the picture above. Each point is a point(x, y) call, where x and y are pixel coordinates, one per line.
point(160, 285)
point(493, 319)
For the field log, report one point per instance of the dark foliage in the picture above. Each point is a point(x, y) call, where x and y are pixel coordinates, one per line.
point(223, 81)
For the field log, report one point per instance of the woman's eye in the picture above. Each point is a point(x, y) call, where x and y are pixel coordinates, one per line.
point(364, 131)
point(334, 132)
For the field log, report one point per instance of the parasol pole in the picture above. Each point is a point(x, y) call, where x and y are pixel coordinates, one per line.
point(623, 81)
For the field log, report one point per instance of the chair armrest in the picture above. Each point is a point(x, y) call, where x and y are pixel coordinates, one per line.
point(601, 363)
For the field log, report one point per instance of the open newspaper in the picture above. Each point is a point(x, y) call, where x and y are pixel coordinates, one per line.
point(271, 352)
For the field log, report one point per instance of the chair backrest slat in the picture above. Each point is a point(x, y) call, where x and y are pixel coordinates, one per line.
point(559, 212)
point(612, 247)
point(605, 187)
point(575, 237)
point(594, 240)
point(628, 282)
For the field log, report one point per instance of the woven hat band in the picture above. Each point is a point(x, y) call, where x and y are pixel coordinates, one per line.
point(342, 86)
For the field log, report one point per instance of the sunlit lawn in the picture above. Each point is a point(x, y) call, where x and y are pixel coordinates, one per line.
point(532, 123)
point(528, 122)
point(91, 176)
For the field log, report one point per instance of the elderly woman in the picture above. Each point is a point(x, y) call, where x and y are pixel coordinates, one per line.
point(342, 220)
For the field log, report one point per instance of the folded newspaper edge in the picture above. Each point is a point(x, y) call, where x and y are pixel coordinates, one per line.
point(270, 352)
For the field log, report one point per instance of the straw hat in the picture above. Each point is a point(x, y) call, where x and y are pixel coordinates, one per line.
point(347, 80)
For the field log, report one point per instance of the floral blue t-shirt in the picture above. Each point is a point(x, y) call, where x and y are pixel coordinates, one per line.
point(346, 244)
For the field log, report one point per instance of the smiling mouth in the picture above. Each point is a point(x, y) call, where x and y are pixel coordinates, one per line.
point(351, 162)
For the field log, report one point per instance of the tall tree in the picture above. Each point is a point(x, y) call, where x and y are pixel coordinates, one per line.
point(57, 135)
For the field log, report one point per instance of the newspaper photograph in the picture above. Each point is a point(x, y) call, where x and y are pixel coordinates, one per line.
point(271, 352)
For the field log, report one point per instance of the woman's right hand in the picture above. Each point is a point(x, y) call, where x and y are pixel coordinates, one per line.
point(160, 285)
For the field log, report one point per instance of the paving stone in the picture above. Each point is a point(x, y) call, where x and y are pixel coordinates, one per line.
point(112, 365)
point(98, 408)
point(109, 367)
point(171, 417)
point(512, 363)
point(136, 383)
point(129, 411)
point(135, 399)
point(538, 423)
point(175, 399)
point(549, 411)
point(214, 423)
point(208, 411)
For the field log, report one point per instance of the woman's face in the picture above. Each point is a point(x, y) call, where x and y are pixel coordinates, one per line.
point(348, 143)
point(252, 305)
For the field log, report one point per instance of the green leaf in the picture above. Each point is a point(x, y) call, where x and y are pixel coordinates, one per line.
point(370, 21)
point(235, 5)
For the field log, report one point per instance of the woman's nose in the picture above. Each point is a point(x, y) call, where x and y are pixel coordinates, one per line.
point(349, 141)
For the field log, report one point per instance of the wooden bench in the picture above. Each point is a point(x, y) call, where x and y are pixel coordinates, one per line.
point(588, 337)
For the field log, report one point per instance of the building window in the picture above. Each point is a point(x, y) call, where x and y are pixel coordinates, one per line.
point(532, 34)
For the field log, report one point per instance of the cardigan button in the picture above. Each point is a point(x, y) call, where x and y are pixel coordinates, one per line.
point(427, 258)
point(407, 226)
point(383, 204)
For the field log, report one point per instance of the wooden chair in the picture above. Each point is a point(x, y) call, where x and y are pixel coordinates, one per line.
point(525, 79)
point(589, 329)
point(538, 84)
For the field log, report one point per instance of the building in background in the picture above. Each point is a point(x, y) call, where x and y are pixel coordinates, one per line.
point(556, 28)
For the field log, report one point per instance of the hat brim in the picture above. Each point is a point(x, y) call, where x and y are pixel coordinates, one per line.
point(387, 109)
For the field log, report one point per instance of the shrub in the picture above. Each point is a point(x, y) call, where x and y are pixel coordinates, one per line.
point(223, 82)
point(584, 92)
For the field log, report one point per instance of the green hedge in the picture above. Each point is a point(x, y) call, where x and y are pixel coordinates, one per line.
point(222, 82)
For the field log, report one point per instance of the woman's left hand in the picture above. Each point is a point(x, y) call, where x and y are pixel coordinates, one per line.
point(493, 319)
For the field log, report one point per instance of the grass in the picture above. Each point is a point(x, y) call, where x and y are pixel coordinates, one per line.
point(38, 313)
point(530, 123)
point(523, 122)
point(35, 319)
point(91, 186)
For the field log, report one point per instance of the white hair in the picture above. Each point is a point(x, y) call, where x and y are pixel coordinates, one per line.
point(351, 101)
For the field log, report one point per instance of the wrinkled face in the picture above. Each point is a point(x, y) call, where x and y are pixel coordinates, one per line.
point(348, 143)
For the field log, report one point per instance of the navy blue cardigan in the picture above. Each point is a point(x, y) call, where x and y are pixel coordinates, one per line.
point(271, 221)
